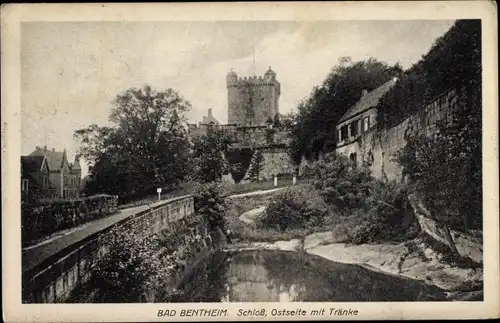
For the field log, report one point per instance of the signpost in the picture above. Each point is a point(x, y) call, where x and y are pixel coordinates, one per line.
point(158, 190)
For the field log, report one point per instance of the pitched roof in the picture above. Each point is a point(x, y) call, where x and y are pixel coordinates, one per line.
point(54, 158)
point(369, 100)
point(31, 164)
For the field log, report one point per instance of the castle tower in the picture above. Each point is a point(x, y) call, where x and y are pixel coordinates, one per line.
point(252, 100)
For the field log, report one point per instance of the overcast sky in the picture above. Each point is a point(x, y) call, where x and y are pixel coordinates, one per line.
point(72, 71)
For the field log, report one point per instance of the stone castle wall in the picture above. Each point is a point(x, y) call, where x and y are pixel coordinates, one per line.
point(378, 147)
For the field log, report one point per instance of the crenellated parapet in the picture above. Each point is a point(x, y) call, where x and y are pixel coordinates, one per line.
point(254, 81)
point(252, 100)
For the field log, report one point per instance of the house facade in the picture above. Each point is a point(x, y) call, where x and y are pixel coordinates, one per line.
point(358, 120)
point(35, 179)
point(64, 178)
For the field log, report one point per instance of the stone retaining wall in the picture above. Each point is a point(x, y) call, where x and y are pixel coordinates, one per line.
point(55, 278)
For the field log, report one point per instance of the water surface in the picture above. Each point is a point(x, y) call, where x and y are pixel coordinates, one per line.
point(284, 276)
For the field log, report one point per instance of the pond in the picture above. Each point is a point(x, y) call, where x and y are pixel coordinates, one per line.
point(285, 276)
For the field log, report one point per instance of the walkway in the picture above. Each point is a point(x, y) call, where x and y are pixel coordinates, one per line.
point(34, 255)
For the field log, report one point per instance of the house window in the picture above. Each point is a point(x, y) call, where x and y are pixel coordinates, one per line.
point(354, 128)
point(367, 122)
point(24, 185)
point(343, 133)
point(362, 126)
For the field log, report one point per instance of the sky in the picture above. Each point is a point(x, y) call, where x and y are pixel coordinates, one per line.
point(71, 71)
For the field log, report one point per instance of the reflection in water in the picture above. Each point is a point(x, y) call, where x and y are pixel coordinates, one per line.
point(281, 276)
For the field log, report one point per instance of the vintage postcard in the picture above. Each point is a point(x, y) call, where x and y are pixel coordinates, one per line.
point(250, 161)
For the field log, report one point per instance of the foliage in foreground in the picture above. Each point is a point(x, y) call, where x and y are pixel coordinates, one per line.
point(294, 208)
point(344, 196)
point(131, 269)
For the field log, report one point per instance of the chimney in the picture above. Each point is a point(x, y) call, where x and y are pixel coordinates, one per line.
point(37, 148)
point(364, 92)
point(44, 148)
point(53, 149)
point(209, 112)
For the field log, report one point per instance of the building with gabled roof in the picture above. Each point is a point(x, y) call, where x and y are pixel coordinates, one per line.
point(361, 117)
point(63, 177)
point(35, 182)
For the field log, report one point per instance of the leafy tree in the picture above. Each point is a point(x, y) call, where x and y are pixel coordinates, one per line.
point(239, 160)
point(453, 62)
point(146, 147)
point(208, 156)
point(317, 116)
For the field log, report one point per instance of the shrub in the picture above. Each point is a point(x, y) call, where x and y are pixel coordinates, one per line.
point(385, 217)
point(130, 269)
point(339, 182)
point(209, 203)
point(371, 210)
point(296, 207)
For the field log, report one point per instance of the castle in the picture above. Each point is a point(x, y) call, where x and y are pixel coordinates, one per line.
point(253, 114)
point(252, 101)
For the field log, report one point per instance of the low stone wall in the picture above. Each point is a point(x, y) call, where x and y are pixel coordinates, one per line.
point(46, 217)
point(55, 278)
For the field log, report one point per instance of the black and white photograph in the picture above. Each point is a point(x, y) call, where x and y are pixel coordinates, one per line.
point(252, 161)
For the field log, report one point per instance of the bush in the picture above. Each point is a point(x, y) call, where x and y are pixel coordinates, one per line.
point(296, 207)
point(386, 216)
point(371, 210)
point(339, 182)
point(209, 203)
point(130, 270)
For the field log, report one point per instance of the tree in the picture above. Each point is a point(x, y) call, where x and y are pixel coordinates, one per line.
point(256, 166)
point(453, 62)
point(208, 156)
point(238, 161)
point(314, 124)
point(146, 147)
